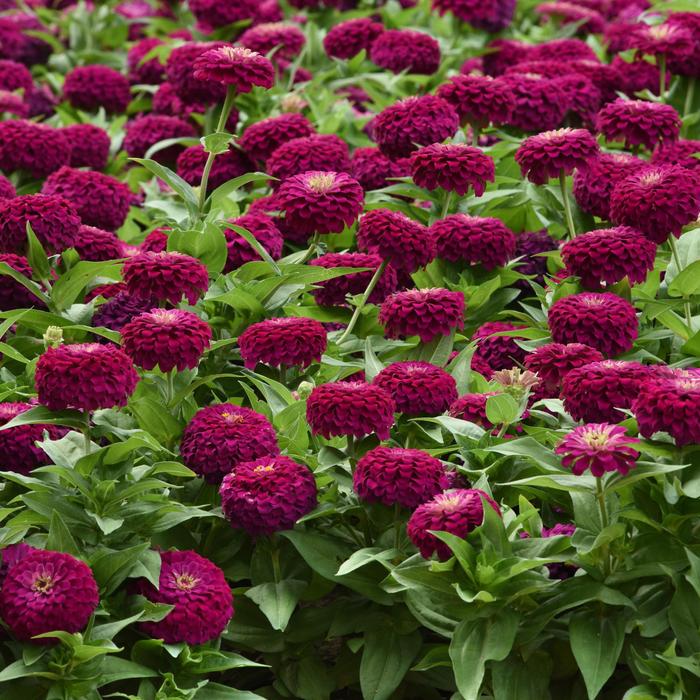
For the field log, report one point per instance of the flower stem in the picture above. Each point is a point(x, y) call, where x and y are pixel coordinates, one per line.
point(567, 205)
point(689, 99)
point(397, 526)
point(86, 433)
point(351, 447)
point(446, 204)
point(604, 520)
point(169, 387)
point(662, 77)
point(275, 556)
point(686, 301)
point(363, 301)
point(221, 126)
point(313, 248)
point(283, 375)
point(475, 135)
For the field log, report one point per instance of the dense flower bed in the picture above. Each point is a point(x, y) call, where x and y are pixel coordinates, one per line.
point(349, 349)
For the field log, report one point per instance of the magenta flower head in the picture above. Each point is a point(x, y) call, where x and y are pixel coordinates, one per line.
point(283, 342)
point(85, 376)
point(373, 170)
point(19, 46)
point(15, 76)
point(540, 103)
point(400, 50)
point(38, 149)
point(472, 408)
point(595, 391)
point(479, 99)
point(220, 437)
point(426, 313)
point(686, 63)
point(202, 600)
point(408, 124)
point(227, 166)
point(593, 185)
point(670, 404)
point(598, 447)
point(150, 71)
point(418, 388)
point(266, 232)
point(236, 66)
point(550, 153)
point(147, 130)
point(498, 351)
point(658, 201)
point(7, 189)
point(397, 476)
point(18, 449)
point(119, 310)
point(180, 71)
point(489, 15)
point(211, 14)
point(455, 167)
point(406, 244)
point(267, 495)
point(95, 244)
point(321, 202)
point(92, 87)
point(166, 338)
point(608, 256)
point(89, 146)
point(319, 152)
point(288, 39)
point(347, 39)
point(682, 152)
point(12, 554)
point(53, 219)
point(46, 592)
point(457, 512)
point(350, 408)
point(668, 39)
point(604, 321)
point(99, 199)
point(13, 295)
point(261, 139)
point(552, 362)
point(474, 240)
point(589, 21)
point(334, 292)
point(638, 122)
point(165, 277)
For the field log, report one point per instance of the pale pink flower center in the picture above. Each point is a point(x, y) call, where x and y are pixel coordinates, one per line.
point(322, 182)
point(185, 582)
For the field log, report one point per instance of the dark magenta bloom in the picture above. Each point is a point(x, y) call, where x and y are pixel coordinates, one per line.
point(120, 308)
point(455, 167)
point(13, 295)
point(490, 15)
point(179, 70)
point(266, 232)
point(346, 39)
point(400, 50)
point(528, 246)
point(236, 66)
point(221, 436)
point(479, 99)
point(552, 362)
point(318, 152)
point(227, 166)
point(150, 71)
point(598, 448)
point(262, 38)
point(147, 130)
point(218, 13)
point(540, 103)
point(202, 600)
point(639, 123)
point(38, 149)
point(497, 351)
point(92, 87)
point(472, 408)
point(95, 244)
point(374, 170)
point(261, 139)
point(89, 146)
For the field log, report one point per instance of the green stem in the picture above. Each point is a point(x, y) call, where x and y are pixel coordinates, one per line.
point(221, 126)
point(363, 301)
point(351, 447)
point(169, 387)
point(283, 375)
point(689, 99)
point(679, 269)
point(567, 204)
point(86, 433)
point(275, 556)
point(397, 526)
point(313, 248)
point(502, 431)
point(662, 77)
point(604, 520)
point(446, 204)
point(475, 135)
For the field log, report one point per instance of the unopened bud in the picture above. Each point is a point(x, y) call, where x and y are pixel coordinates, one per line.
point(53, 337)
point(516, 382)
point(293, 103)
point(304, 390)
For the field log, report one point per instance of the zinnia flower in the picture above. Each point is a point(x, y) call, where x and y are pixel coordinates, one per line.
point(180, 72)
point(480, 100)
point(222, 436)
point(321, 202)
point(461, 238)
point(334, 292)
point(283, 342)
point(18, 449)
point(670, 404)
point(398, 476)
point(53, 220)
point(489, 15)
point(266, 232)
point(38, 149)
point(638, 122)
point(120, 309)
point(667, 39)
point(498, 351)
point(319, 152)
point(346, 39)
point(472, 408)
point(405, 243)
point(218, 13)
point(92, 87)
point(47, 591)
point(400, 50)
point(540, 103)
point(7, 189)
point(418, 388)
point(658, 201)
point(605, 321)
point(426, 313)
point(15, 76)
point(408, 124)
point(95, 244)
point(552, 362)
point(595, 391)
point(166, 338)
point(551, 153)
point(89, 146)
point(11, 555)
point(457, 512)
point(202, 600)
point(374, 170)
point(99, 199)
point(236, 66)
point(287, 39)
point(149, 129)
point(455, 167)
point(267, 495)
point(150, 71)
point(261, 139)
point(13, 295)
point(586, 19)
point(350, 408)
point(165, 277)
point(682, 152)
point(598, 447)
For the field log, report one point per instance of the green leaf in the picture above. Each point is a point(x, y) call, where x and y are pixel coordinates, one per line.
point(255, 245)
point(684, 616)
point(41, 414)
point(477, 641)
point(185, 191)
point(115, 669)
point(223, 192)
point(60, 538)
point(218, 142)
point(32, 287)
point(596, 643)
point(524, 680)
point(687, 282)
point(277, 601)
point(36, 255)
point(373, 365)
point(502, 409)
point(111, 567)
point(208, 245)
point(386, 658)
point(69, 285)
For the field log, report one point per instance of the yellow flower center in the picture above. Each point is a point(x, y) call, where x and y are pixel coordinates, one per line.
point(185, 582)
point(43, 583)
point(321, 182)
point(264, 468)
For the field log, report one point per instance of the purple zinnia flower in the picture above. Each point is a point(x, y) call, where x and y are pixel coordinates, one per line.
point(598, 447)
point(400, 50)
point(92, 87)
point(455, 167)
